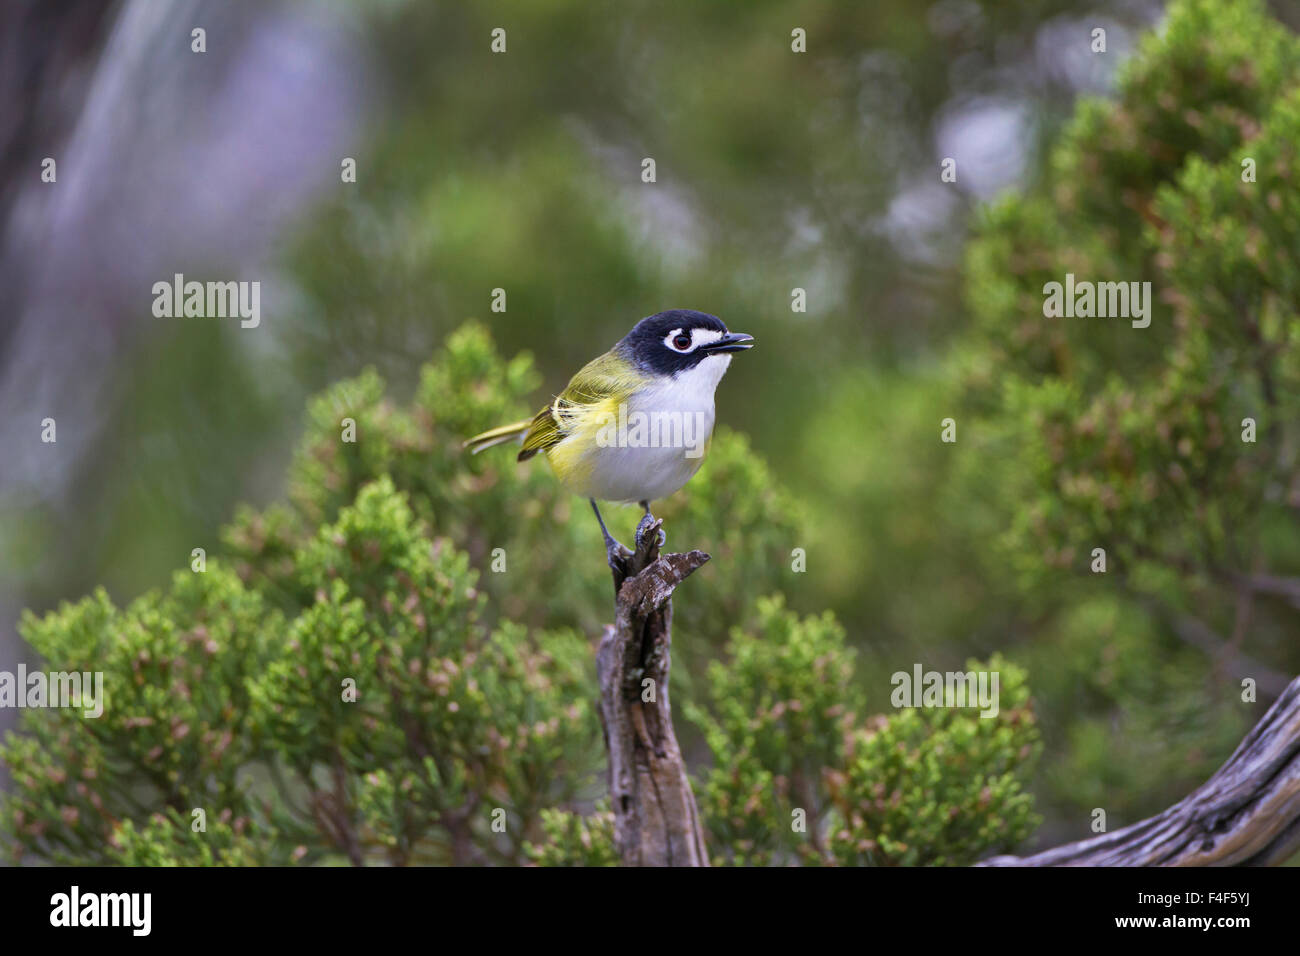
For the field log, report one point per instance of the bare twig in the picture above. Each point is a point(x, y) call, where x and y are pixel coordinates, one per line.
point(1226, 655)
point(1198, 634)
point(1271, 584)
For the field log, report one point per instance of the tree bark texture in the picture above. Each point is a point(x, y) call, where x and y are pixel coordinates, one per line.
point(656, 822)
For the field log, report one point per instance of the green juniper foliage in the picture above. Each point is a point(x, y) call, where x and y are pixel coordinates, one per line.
point(799, 776)
point(169, 839)
point(177, 728)
point(937, 785)
point(1079, 434)
point(394, 665)
point(392, 668)
point(572, 839)
point(1168, 447)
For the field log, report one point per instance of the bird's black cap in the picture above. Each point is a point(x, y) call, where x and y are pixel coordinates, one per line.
point(649, 344)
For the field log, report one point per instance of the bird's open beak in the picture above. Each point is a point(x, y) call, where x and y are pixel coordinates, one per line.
point(731, 342)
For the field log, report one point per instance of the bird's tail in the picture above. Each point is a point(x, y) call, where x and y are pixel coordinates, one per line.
point(498, 436)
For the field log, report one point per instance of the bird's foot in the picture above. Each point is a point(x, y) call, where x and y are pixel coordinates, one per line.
point(617, 554)
point(649, 523)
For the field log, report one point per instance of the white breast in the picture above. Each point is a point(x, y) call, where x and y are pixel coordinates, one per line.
point(677, 420)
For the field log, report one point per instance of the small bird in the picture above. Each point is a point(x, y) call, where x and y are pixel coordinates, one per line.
point(634, 424)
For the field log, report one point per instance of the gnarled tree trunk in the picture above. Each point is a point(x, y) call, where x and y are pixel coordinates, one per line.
point(656, 822)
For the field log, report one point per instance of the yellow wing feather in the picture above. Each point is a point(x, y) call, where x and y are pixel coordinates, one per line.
point(585, 404)
point(590, 396)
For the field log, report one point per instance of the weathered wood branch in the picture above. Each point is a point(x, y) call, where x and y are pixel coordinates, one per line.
point(1247, 814)
point(656, 822)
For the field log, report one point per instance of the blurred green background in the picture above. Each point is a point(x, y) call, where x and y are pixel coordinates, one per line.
point(522, 171)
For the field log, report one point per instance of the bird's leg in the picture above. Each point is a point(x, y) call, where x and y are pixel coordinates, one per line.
point(617, 554)
point(646, 520)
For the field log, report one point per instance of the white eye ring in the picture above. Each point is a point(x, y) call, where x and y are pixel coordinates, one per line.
point(671, 336)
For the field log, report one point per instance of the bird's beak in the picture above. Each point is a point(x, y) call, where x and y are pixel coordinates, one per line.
point(731, 342)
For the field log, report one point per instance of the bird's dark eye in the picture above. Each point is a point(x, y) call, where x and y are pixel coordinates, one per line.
point(682, 342)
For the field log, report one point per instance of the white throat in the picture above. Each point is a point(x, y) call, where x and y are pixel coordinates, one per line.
point(702, 379)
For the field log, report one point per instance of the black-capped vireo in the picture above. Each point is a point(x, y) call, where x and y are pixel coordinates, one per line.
point(634, 424)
